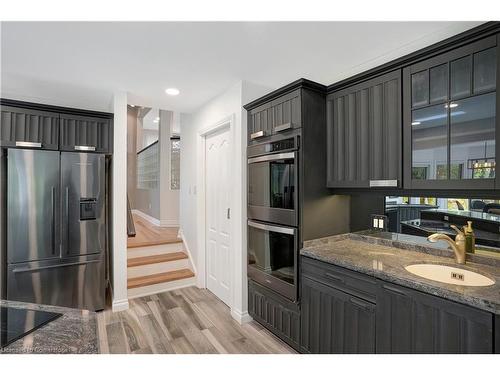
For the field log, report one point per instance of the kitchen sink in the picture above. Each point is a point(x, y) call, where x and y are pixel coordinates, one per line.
point(449, 275)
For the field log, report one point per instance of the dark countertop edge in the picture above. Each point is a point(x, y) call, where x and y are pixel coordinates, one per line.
point(50, 308)
point(471, 301)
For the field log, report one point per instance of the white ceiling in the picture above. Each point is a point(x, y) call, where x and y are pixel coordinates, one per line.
point(82, 64)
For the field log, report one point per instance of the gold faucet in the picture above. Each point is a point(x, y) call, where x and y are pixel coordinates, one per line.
point(458, 245)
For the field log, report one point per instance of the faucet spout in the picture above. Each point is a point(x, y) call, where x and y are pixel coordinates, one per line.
point(458, 246)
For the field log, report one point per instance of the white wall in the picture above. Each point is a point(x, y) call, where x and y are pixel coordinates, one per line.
point(169, 199)
point(223, 106)
point(119, 204)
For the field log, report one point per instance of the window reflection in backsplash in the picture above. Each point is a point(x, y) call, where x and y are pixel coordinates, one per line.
point(422, 216)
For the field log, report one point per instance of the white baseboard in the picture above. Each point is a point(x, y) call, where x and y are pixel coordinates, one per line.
point(155, 221)
point(147, 217)
point(241, 317)
point(169, 223)
point(188, 252)
point(120, 305)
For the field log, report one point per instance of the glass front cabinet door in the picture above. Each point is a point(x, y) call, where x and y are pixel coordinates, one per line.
point(450, 123)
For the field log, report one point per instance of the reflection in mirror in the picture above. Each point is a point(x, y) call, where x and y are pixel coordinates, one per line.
point(430, 143)
point(423, 216)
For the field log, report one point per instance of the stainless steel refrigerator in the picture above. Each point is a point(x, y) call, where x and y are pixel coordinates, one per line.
point(56, 228)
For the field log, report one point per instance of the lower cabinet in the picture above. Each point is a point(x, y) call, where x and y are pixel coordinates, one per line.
point(335, 322)
point(339, 316)
point(409, 321)
point(276, 313)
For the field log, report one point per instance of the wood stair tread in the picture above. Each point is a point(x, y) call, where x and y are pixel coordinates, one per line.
point(152, 259)
point(158, 278)
point(153, 243)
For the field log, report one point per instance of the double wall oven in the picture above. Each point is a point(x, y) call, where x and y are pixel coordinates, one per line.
point(273, 216)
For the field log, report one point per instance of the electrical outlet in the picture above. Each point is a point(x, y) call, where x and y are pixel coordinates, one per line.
point(379, 222)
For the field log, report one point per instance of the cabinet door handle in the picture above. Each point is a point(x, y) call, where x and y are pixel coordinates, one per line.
point(283, 127)
point(334, 277)
point(258, 134)
point(28, 144)
point(383, 183)
point(361, 304)
point(84, 148)
point(394, 290)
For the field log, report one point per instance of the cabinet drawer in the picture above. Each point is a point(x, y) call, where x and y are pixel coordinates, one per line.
point(20, 127)
point(351, 282)
point(79, 133)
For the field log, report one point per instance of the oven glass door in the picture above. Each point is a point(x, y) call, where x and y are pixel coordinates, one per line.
point(272, 256)
point(272, 192)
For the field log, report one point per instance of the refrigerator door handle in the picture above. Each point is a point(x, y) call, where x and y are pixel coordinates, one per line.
point(53, 203)
point(66, 218)
point(34, 269)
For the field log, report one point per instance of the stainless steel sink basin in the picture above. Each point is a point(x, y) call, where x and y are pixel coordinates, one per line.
point(449, 275)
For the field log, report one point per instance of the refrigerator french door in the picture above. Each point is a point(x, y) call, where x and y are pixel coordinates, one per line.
point(56, 228)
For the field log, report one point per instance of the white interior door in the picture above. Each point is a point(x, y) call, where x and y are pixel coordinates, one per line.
point(217, 190)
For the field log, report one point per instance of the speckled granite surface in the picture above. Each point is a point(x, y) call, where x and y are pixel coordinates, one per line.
point(73, 333)
point(384, 256)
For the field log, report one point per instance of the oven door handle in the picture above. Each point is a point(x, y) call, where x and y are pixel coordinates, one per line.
point(283, 156)
point(272, 228)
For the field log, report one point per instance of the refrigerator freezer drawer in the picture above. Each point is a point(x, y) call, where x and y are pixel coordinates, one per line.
point(77, 282)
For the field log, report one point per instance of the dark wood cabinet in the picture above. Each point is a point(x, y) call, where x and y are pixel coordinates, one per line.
point(364, 134)
point(343, 311)
point(276, 313)
point(259, 122)
point(450, 121)
point(335, 322)
point(276, 116)
point(286, 112)
point(286, 109)
point(409, 321)
point(81, 133)
point(22, 127)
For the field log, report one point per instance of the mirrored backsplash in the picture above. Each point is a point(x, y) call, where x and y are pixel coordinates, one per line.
point(423, 216)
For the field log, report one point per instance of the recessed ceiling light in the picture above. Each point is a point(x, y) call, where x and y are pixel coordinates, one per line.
point(172, 91)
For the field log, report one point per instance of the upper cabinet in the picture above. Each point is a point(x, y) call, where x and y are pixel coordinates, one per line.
point(450, 122)
point(274, 117)
point(33, 125)
point(79, 133)
point(364, 134)
point(21, 127)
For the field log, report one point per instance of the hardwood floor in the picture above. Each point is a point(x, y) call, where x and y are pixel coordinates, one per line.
point(183, 321)
point(148, 234)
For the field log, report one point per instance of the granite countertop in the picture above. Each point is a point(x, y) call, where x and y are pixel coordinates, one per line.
point(75, 332)
point(384, 255)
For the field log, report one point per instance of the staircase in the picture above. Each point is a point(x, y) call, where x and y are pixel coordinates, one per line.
point(156, 266)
